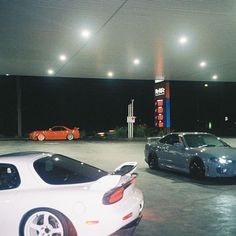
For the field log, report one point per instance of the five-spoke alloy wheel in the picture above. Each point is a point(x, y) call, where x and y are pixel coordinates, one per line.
point(44, 222)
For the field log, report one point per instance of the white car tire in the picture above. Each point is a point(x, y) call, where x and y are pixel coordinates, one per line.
point(44, 221)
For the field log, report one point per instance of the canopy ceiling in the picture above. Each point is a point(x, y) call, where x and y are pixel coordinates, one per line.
point(35, 32)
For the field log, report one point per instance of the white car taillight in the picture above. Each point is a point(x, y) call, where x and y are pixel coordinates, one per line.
point(116, 194)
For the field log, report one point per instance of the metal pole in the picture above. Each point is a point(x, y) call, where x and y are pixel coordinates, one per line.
point(19, 120)
point(132, 114)
point(129, 125)
point(127, 120)
point(130, 119)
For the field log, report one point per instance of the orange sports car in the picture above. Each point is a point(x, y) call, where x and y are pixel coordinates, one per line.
point(55, 133)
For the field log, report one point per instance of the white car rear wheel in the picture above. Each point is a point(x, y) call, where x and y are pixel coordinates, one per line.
point(44, 221)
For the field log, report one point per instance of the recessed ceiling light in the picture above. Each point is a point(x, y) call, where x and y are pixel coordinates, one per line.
point(215, 77)
point(86, 34)
point(202, 64)
point(50, 71)
point(183, 40)
point(206, 85)
point(7, 74)
point(136, 61)
point(110, 74)
point(62, 57)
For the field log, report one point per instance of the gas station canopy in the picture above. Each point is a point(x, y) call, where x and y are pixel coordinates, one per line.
point(125, 39)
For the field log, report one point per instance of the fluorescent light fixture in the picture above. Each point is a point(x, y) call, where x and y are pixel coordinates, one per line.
point(183, 40)
point(159, 78)
point(136, 61)
point(50, 71)
point(85, 33)
point(110, 74)
point(202, 64)
point(62, 57)
point(215, 77)
point(210, 125)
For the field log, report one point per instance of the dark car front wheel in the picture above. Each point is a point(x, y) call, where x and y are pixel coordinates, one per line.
point(197, 168)
point(153, 161)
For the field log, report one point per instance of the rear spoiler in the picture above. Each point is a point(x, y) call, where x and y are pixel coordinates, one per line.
point(125, 168)
point(121, 175)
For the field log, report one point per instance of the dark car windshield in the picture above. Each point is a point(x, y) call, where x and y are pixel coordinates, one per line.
point(203, 140)
point(58, 169)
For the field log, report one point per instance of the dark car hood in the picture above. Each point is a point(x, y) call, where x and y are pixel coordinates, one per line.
point(228, 152)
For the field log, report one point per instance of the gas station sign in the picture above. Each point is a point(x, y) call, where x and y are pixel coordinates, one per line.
point(162, 104)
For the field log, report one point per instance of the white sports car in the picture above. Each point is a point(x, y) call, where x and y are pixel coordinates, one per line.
point(49, 194)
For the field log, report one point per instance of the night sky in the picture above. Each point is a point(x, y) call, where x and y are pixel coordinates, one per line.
point(101, 104)
point(193, 106)
point(91, 104)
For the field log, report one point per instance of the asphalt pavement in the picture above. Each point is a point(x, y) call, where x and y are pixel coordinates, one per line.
point(174, 203)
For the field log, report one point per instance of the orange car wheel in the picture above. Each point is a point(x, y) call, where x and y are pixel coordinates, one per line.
point(41, 137)
point(70, 136)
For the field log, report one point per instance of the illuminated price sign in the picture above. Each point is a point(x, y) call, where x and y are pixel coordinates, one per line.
point(162, 105)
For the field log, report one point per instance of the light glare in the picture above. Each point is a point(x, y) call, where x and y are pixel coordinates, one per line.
point(215, 77)
point(183, 40)
point(202, 64)
point(222, 160)
point(86, 34)
point(62, 57)
point(136, 61)
point(50, 71)
point(110, 74)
